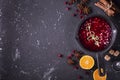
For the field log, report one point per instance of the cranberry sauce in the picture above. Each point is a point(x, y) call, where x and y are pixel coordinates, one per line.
point(95, 34)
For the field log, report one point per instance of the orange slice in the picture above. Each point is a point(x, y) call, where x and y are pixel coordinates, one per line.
point(86, 62)
point(96, 76)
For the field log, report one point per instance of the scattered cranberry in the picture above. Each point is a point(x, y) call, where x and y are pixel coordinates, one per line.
point(60, 55)
point(81, 17)
point(65, 2)
point(77, 55)
point(68, 8)
point(81, 12)
point(77, 10)
point(80, 77)
point(69, 57)
point(70, 4)
point(76, 67)
point(74, 51)
point(74, 15)
point(84, 0)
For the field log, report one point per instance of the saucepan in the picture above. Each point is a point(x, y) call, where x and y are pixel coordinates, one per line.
point(98, 54)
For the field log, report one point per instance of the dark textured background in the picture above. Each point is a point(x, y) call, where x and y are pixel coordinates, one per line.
point(34, 32)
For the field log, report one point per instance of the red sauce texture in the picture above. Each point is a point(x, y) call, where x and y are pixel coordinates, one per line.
point(95, 34)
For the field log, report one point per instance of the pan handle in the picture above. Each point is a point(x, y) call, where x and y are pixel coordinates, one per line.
point(100, 65)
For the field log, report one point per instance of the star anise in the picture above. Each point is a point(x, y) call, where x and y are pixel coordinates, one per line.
point(72, 1)
point(86, 10)
point(80, 6)
point(84, 1)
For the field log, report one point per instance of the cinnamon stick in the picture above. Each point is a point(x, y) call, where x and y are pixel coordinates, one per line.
point(106, 6)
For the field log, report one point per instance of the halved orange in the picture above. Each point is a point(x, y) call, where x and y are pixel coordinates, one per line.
point(86, 62)
point(96, 75)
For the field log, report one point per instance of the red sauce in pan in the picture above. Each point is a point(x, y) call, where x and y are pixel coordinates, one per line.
point(95, 34)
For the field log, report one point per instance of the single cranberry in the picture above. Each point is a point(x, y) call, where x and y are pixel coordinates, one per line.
point(74, 51)
point(77, 10)
point(70, 3)
point(81, 17)
point(74, 15)
point(71, 54)
point(68, 8)
point(80, 77)
point(84, 0)
point(80, 12)
point(60, 55)
point(66, 2)
point(76, 67)
point(69, 57)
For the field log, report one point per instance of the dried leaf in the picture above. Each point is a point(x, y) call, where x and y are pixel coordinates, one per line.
point(70, 61)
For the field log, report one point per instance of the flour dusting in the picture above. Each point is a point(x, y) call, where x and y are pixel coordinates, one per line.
point(47, 75)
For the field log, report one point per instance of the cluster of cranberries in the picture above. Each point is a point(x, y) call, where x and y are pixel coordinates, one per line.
point(73, 60)
point(101, 28)
point(77, 12)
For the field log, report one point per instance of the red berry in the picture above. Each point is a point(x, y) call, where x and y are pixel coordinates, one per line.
point(74, 51)
point(69, 57)
point(74, 15)
point(70, 4)
point(80, 77)
point(60, 55)
point(77, 10)
point(81, 17)
point(68, 8)
point(65, 2)
point(84, 0)
point(80, 12)
point(76, 67)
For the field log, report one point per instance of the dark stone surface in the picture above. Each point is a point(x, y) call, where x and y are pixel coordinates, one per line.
point(33, 33)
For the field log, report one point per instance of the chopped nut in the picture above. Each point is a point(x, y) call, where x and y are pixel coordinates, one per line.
point(70, 61)
point(116, 53)
point(107, 57)
point(111, 51)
